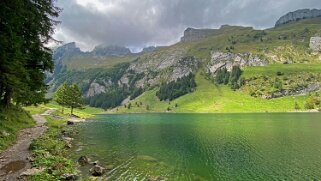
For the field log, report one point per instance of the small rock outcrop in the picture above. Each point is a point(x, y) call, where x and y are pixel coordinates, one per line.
point(315, 43)
point(228, 60)
point(191, 34)
point(95, 89)
point(292, 92)
point(298, 15)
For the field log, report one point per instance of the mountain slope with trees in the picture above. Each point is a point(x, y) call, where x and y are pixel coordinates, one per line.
point(240, 57)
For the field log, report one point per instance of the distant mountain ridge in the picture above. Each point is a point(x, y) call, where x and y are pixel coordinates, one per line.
point(298, 15)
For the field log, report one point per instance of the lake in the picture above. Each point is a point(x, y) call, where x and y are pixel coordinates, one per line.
point(261, 146)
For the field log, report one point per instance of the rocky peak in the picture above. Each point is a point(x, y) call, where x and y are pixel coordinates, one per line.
point(191, 34)
point(298, 15)
point(110, 50)
point(68, 49)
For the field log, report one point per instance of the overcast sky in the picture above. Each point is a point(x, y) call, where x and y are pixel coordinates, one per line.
point(140, 23)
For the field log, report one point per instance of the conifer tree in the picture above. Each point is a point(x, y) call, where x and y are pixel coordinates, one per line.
point(26, 26)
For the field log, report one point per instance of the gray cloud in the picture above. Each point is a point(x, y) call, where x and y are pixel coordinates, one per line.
point(139, 23)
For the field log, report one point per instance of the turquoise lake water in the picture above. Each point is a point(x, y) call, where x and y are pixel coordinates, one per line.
point(267, 146)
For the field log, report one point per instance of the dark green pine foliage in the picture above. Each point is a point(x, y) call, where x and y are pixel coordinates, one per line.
point(25, 27)
point(235, 77)
point(75, 99)
point(175, 89)
point(69, 96)
point(222, 76)
point(232, 78)
point(110, 99)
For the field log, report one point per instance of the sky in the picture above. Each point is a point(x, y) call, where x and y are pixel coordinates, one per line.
point(140, 23)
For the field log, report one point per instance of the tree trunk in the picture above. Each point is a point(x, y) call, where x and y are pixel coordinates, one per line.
point(7, 97)
point(62, 110)
point(72, 109)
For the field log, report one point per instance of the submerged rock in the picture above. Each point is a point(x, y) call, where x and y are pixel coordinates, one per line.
point(156, 178)
point(70, 123)
point(97, 170)
point(147, 158)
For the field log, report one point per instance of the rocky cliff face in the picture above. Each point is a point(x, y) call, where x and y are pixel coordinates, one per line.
point(315, 43)
point(191, 34)
point(297, 91)
point(228, 60)
point(298, 15)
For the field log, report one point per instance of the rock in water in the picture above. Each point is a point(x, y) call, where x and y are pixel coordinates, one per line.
point(97, 170)
point(315, 43)
point(83, 160)
point(70, 123)
point(156, 178)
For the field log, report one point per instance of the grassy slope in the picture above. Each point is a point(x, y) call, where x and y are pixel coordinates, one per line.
point(12, 120)
point(211, 98)
point(81, 63)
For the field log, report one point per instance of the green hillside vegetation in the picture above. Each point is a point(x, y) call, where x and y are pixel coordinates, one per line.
point(209, 97)
point(287, 42)
point(276, 77)
point(89, 62)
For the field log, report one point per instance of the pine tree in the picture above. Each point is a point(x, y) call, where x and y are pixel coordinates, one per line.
point(26, 26)
point(69, 96)
point(74, 99)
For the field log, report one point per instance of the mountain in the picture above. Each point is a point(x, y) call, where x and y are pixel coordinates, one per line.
point(230, 69)
point(111, 50)
point(298, 15)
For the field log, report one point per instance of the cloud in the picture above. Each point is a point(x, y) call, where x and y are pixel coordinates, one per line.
point(140, 23)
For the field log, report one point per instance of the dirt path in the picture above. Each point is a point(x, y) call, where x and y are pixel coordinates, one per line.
point(14, 160)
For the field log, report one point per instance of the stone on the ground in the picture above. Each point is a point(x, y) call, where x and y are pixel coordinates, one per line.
point(83, 160)
point(30, 158)
point(97, 171)
point(32, 171)
point(70, 177)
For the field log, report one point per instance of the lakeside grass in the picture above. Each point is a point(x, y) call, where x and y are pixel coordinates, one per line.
point(84, 113)
point(50, 151)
